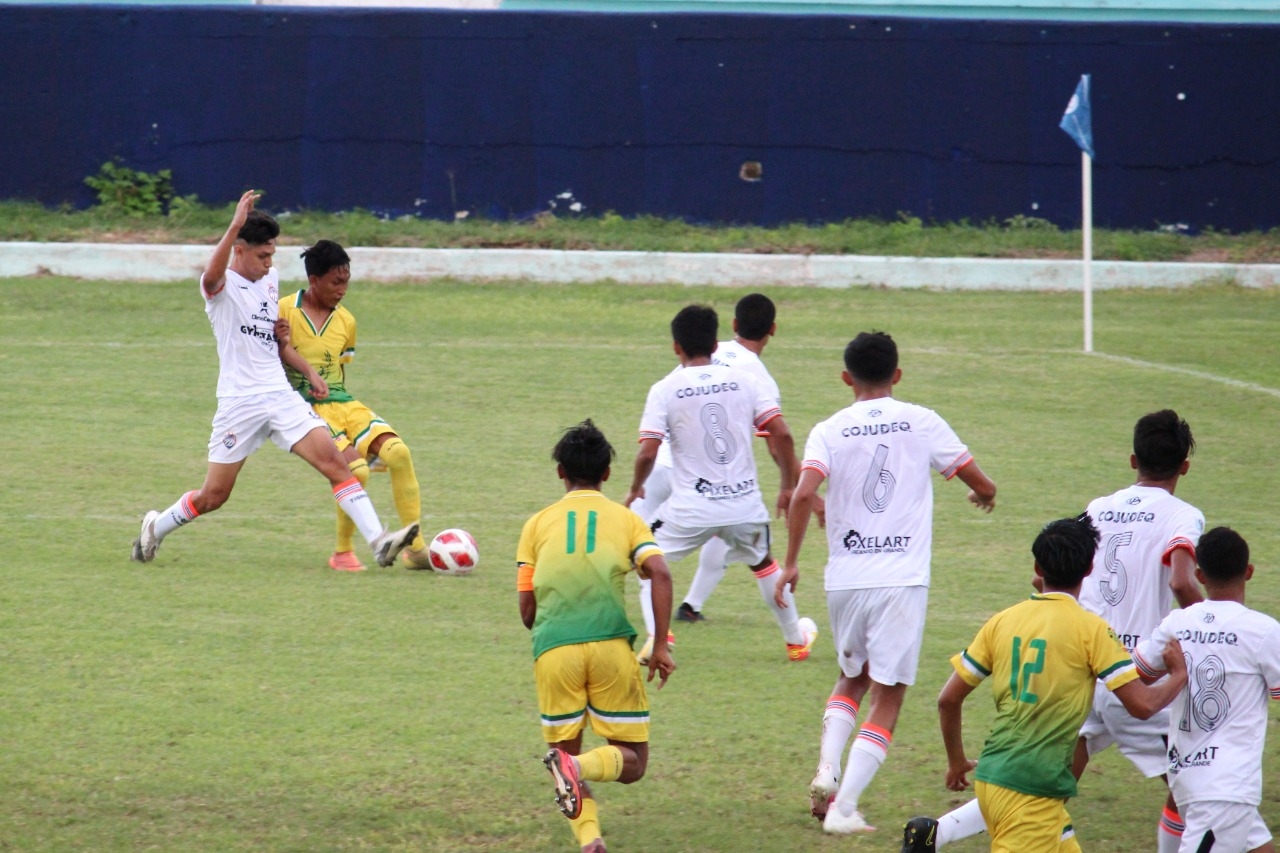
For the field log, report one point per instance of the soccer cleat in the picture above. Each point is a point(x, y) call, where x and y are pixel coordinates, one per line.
point(564, 770)
point(144, 547)
point(822, 791)
point(920, 835)
point(389, 544)
point(419, 559)
point(810, 630)
point(686, 613)
point(646, 651)
point(836, 823)
point(345, 561)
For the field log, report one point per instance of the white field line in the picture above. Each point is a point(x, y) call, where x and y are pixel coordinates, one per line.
point(1187, 371)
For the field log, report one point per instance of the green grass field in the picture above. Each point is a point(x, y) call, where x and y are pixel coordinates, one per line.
point(238, 695)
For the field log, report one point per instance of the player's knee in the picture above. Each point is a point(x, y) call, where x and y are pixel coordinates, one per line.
point(360, 469)
point(395, 453)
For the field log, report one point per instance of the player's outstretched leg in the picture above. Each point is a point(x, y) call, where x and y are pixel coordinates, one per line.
point(406, 495)
point(799, 633)
point(839, 722)
point(344, 557)
point(957, 824)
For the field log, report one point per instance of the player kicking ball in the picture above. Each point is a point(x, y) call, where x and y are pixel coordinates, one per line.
point(1043, 657)
point(1218, 728)
point(572, 565)
point(240, 288)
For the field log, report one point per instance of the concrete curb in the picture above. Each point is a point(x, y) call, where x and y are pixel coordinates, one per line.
point(138, 262)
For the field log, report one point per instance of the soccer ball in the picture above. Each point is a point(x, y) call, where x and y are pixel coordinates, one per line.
point(453, 552)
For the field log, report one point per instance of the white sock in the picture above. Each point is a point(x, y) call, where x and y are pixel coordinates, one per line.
point(767, 580)
point(712, 562)
point(869, 750)
point(175, 516)
point(355, 502)
point(838, 724)
point(960, 823)
point(1169, 834)
point(646, 605)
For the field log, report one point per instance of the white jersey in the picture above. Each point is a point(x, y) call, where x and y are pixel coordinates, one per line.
point(878, 455)
point(243, 315)
point(733, 354)
point(709, 414)
point(1141, 527)
point(1218, 724)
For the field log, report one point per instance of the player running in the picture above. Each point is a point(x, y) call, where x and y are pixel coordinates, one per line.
point(1219, 723)
point(710, 413)
point(240, 288)
point(323, 333)
point(572, 562)
point(877, 454)
point(1145, 563)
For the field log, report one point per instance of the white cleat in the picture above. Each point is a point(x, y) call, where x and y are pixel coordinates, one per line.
point(836, 823)
point(144, 547)
point(389, 544)
point(821, 790)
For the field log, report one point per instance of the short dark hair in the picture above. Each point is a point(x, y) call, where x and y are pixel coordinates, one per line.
point(324, 256)
point(755, 314)
point(1162, 442)
point(1064, 551)
point(259, 228)
point(695, 329)
point(1223, 554)
point(871, 357)
point(584, 452)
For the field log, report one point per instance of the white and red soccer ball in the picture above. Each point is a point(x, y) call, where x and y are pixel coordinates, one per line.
point(454, 552)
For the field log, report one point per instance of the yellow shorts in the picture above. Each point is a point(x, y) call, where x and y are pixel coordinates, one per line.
point(597, 681)
point(352, 424)
point(1021, 823)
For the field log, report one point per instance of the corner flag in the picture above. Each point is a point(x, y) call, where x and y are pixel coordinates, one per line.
point(1077, 120)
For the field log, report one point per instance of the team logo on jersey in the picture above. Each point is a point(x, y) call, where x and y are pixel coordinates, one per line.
point(711, 491)
point(1208, 617)
point(702, 377)
point(229, 440)
point(874, 413)
point(855, 543)
point(1134, 501)
point(273, 294)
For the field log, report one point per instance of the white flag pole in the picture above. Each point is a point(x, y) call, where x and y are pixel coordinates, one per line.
point(1086, 179)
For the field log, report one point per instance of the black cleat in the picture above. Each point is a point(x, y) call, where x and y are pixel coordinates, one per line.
point(686, 613)
point(920, 835)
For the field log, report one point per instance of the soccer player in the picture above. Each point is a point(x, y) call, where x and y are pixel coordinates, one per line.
point(877, 454)
point(255, 402)
point(710, 413)
point(1146, 561)
point(1043, 656)
point(1219, 725)
point(572, 563)
point(323, 332)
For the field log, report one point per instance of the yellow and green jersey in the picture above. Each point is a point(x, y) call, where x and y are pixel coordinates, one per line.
point(581, 549)
point(1043, 657)
point(328, 349)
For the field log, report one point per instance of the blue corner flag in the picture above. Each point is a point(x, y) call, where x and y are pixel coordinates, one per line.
point(1077, 121)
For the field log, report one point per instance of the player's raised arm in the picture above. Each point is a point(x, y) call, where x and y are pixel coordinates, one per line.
point(215, 272)
point(982, 491)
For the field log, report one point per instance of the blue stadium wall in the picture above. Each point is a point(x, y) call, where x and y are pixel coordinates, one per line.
point(502, 113)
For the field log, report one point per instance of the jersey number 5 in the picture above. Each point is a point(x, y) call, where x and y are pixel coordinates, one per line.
point(1114, 583)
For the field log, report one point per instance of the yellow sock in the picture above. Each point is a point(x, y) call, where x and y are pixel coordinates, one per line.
point(347, 527)
point(587, 827)
point(404, 484)
point(602, 764)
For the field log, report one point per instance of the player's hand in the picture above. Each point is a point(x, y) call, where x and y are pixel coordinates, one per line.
point(319, 388)
point(283, 331)
point(244, 206)
point(984, 504)
point(957, 775)
point(1174, 661)
point(788, 577)
point(784, 502)
point(820, 510)
point(633, 496)
point(661, 664)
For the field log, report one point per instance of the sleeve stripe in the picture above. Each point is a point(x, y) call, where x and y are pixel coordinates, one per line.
point(1275, 693)
point(656, 436)
point(1174, 544)
point(1114, 674)
point(973, 666)
point(639, 555)
point(768, 415)
point(815, 465)
point(954, 468)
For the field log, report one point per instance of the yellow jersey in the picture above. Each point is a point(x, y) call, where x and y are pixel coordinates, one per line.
point(328, 349)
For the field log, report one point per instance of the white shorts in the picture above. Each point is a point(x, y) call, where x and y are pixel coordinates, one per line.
point(241, 424)
point(882, 627)
point(657, 488)
point(1144, 742)
point(1236, 827)
point(748, 542)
